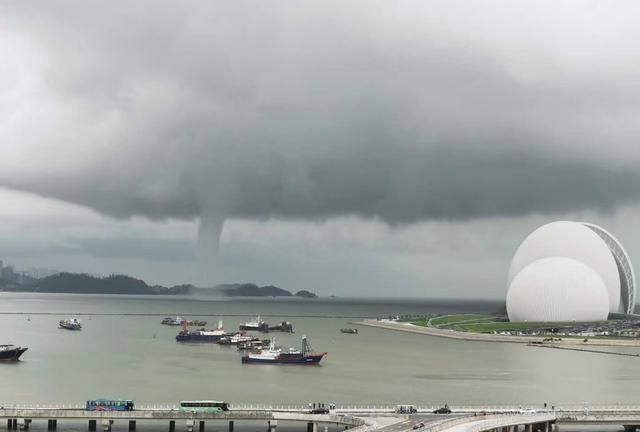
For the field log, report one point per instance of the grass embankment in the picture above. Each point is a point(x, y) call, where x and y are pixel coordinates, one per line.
point(483, 323)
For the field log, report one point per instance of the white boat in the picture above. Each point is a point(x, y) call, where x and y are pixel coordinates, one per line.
point(70, 324)
point(275, 355)
point(256, 324)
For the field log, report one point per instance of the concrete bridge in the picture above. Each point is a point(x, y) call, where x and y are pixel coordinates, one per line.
point(362, 419)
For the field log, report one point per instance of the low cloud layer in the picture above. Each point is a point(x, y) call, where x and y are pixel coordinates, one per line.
point(400, 111)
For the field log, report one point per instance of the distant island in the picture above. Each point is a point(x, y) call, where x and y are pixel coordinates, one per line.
point(80, 283)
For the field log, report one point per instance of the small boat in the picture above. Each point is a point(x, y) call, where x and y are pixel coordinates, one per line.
point(349, 330)
point(275, 355)
point(11, 352)
point(255, 325)
point(253, 345)
point(202, 335)
point(237, 339)
point(177, 321)
point(71, 324)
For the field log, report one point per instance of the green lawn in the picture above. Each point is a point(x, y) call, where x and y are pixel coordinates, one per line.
point(511, 326)
point(483, 323)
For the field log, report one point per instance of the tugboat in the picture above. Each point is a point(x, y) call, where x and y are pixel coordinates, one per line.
point(255, 325)
point(275, 355)
point(201, 335)
point(11, 352)
point(70, 324)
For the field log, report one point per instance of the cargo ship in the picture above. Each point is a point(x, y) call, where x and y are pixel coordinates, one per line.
point(275, 355)
point(201, 335)
point(70, 324)
point(11, 352)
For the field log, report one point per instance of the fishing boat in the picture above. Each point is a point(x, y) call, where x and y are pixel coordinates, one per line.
point(275, 355)
point(201, 335)
point(70, 324)
point(11, 352)
point(177, 321)
point(256, 325)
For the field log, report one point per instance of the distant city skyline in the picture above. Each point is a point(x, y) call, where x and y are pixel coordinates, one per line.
point(369, 148)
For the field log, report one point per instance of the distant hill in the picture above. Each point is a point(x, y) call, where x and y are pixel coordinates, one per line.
point(80, 283)
point(253, 290)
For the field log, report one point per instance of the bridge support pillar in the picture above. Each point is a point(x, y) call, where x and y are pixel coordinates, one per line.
point(132, 425)
point(201, 426)
point(52, 424)
point(172, 426)
point(230, 425)
point(106, 424)
point(630, 428)
point(14, 424)
point(9, 423)
point(92, 425)
point(273, 424)
point(190, 425)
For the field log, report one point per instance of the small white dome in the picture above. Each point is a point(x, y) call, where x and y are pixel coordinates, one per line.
point(557, 289)
point(571, 240)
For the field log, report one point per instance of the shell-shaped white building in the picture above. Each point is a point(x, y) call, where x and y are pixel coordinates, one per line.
point(570, 271)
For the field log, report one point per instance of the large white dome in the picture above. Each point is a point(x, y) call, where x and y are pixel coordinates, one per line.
point(571, 240)
point(557, 289)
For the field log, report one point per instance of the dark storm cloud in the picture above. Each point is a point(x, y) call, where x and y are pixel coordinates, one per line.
point(311, 110)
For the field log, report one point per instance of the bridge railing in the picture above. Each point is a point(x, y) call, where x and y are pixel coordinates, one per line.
point(348, 409)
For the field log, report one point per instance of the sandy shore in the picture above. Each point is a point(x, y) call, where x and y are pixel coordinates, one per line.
point(485, 337)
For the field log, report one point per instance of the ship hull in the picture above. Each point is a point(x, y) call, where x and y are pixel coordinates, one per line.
point(12, 355)
point(311, 359)
point(198, 338)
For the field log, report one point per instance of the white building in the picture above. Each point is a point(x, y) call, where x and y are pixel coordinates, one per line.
point(570, 271)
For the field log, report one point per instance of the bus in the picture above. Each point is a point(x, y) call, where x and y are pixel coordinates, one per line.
point(204, 406)
point(109, 405)
point(406, 409)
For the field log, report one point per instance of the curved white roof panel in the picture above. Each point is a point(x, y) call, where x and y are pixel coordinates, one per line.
point(576, 241)
point(557, 289)
point(625, 269)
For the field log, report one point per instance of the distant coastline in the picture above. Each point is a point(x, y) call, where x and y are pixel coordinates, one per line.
point(80, 283)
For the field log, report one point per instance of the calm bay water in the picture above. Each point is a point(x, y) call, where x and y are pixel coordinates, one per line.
point(133, 356)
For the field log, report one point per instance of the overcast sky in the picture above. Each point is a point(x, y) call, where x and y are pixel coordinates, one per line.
point(397, 148)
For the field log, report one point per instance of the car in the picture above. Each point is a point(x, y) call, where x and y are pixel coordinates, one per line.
point(418, 425)
point(444, 410)
point(528, 411)
point(321, 410)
